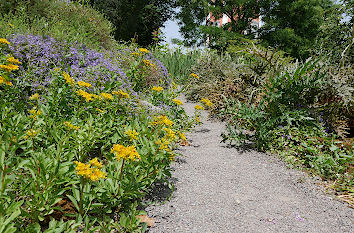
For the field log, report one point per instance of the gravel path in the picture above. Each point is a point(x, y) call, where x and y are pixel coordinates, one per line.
point(219, 189)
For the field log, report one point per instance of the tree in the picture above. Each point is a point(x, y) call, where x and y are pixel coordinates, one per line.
point(137, 19)
point(293, 25)
point(193, 14)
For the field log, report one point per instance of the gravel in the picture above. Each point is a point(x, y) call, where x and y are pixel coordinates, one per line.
point(221, 189)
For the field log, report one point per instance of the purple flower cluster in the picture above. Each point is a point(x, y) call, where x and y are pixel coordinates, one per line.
point(40, 55)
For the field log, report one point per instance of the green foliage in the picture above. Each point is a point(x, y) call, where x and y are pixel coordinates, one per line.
point(137, 19)
point(292, 26)
point(177, 62)
point(75, 23)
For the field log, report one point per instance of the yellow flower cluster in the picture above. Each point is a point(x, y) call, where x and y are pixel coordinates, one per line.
point(198, 107)
point(32, 133)
point(71, 126)
point(177, 101)
point(136, 54)
point(107, 96)
point(170, 134)
point(182, 136)
point(164, 143)
point(207, 102)
point(162, 120)
point(149, 63)
point(85, 94)
point(3, 80)
point(68, 78)
point(9, 67)
point(127, 153)
point(4, 41)
point(158, 89)
point(143, 50)
point(90, 170)
point(121, 93)
point(194, 75)
point(35, 96)
point(84, 84)
point(34, 113)
point(13, 60)
point(132, 134)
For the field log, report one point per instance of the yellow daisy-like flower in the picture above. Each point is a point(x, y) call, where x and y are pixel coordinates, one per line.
point(3, 80)
point(120, 93)
point(177, 101)
point(162, 120)
point(171, 135)
point(143, 50)
point(13, 60)
point(100, 110)
point(9, 67)
point(194, 75)
point(68, 78)
point(198, 107)
point(71, 126)
point(11, 25)
point(34, 113)
point(158, 89)
point(136, 54)
point(88, 97)
point(149, 63)
point(90, 170)
point(107, 96)
point(4, 41)
point(132, 134)
point(164, 143)
point(35, 96)
point(96, 163)
point(127, 153)
point(84, 84)
point(207, 102)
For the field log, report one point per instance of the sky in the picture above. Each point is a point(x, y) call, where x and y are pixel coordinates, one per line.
point(170, 31)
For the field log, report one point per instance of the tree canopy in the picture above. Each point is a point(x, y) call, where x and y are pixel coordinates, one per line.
point(137, 19)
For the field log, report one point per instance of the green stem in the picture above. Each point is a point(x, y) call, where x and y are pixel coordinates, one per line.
point(120, 175)
point(81, 195)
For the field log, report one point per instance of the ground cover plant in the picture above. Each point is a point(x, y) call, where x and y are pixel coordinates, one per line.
point(80, 150)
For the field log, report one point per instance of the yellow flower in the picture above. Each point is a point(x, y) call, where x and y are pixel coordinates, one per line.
point(164, 143)
point(144, 50)
point(207, 102)
point(171, 157)
point(13, 60)
point(71, 126)
point(84, 84)
point(68, 79)
point(9, 67)
point(11, 25)
point(34, 113)
point(84, 94)
point(170, 134)
point(127, 153)
point(32, 133)
point(100, 110)
point(182, 136)
point(4, 41)
point(107, 96)
point(194, 75)
point(93, 173)
point(3, 80)
point(136, 54)
point(158, 89)
point(34, 96)
point(96, 163)
point(132, 134)
point(177, 101)
point(149, 63)
point(121, 94)
point(197, 119)
point(198, 107)
point(162, 120)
